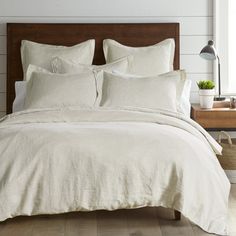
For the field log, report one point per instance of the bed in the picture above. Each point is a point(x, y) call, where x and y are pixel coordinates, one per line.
point(62, 160)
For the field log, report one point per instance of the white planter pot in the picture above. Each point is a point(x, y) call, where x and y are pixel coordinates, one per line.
point(206, 98)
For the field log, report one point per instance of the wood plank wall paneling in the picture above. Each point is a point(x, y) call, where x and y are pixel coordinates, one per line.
point(2, 83)
point(3, 44)
point(2, 102)
point(106, 8)
point(195, 18)
point(189, 26)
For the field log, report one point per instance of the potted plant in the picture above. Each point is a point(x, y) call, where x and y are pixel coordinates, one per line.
point(206, 93)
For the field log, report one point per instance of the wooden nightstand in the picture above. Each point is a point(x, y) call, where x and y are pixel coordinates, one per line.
point(217, 118)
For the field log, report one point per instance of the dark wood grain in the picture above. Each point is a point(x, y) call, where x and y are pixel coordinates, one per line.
point(177, 215)
point(70, 34)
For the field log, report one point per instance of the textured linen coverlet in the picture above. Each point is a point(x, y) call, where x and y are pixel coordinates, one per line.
point(62, 160)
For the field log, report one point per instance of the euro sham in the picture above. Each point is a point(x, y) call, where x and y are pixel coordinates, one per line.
point(41, 54)
point(150, 60)
point(154, 92)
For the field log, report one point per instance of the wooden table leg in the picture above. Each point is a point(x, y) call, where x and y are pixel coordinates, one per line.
point(177, 215)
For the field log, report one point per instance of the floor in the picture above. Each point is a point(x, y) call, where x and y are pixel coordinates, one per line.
point(140, 222)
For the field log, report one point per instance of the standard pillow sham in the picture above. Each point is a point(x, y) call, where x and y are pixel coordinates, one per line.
point(154, 92)
point(21, 87)
point(150, 60)
point(49, 90)
point(62, 66)
point(184, 105)
point(42, 54)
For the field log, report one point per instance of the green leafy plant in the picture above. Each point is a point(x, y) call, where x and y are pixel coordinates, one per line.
point(206, 84)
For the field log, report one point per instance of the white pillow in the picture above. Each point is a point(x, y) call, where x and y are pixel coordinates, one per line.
point(42, 54)
point(21, 87)
point(61, 66)
point(20, 90)
point(184, 105)
point(150, 60)
point(153, 92)
point(33, 68)
point(49, 90)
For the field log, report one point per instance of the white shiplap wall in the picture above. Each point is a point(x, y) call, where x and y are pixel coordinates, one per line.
point(195, 18)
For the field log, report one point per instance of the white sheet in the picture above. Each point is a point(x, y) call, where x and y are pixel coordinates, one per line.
point(55, 161)
point(20, 91)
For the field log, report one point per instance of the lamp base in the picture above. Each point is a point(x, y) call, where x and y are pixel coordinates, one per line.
point(219, 98)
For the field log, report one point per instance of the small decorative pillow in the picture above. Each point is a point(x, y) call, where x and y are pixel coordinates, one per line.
point(33, 68)
point(153, 92)
point(50, 90)
point(150, 60)
point(61, 66)
point(41, 54)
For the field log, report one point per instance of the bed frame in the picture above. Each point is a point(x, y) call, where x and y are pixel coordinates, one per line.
point(70, 34)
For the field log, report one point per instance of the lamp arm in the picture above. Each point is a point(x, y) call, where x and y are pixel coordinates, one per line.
point(219, 79)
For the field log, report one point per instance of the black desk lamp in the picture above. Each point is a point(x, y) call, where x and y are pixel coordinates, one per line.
point(209, 53)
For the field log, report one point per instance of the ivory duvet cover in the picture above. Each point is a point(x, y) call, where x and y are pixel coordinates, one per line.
point(55, 161)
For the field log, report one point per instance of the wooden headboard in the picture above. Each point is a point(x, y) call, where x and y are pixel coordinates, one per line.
point(70, 34)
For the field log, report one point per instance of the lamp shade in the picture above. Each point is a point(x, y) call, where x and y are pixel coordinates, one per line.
point(209, 52)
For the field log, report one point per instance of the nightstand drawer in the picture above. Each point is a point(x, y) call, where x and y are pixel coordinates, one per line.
point(214, 118)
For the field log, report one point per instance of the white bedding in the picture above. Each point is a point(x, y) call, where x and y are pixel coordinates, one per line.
point(55, 161)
